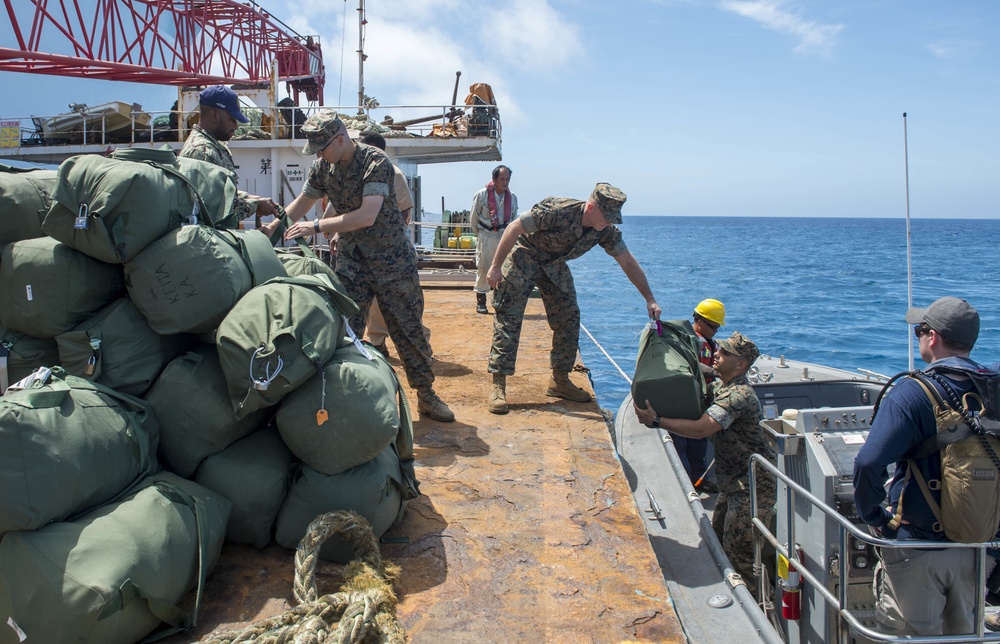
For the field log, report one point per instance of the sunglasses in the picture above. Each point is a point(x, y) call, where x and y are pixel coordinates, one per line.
point(921, 330)
point(709, 323)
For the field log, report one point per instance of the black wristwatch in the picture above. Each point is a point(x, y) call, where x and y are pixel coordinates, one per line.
point(656, 422)
point(316, 225)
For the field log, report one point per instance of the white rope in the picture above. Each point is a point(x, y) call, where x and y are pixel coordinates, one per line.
point(606, 355)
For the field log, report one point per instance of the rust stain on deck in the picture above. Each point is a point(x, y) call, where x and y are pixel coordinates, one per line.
point(526, 529)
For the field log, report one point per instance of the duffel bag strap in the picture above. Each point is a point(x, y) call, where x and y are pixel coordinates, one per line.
point(137, 412)
point(279, 232)
point(260, 256)
point(404, 437)
point(165, 611)
point(43, 388)
point(320, 281)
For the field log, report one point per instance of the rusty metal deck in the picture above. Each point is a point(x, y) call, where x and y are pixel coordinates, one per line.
point(526, 529)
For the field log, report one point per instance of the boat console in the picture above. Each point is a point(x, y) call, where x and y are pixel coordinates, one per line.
point(815, 448)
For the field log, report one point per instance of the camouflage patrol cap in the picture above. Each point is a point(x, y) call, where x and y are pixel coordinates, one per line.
point(320, 129)
point(740, 345)
point(609, 199)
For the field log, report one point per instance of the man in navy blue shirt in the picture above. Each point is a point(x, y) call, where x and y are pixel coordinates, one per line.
point(918, 592)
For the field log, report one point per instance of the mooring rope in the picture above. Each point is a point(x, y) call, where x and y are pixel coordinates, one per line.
point(606, 354)
point(363, 611)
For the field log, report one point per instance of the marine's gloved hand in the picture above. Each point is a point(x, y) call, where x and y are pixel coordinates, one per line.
point(708, 370)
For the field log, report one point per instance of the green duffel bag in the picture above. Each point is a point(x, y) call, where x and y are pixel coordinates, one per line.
point(278, 336)
point(25, 197)
point(68, 446)
point(116, 348)
point(21, 354)
point(204, 423)
point(254, 473)
point(112, 208)
point(47, 288)
point(375, 490)
point(189, 279)
point(667, 371)
point(355, 398)
point(117, 573)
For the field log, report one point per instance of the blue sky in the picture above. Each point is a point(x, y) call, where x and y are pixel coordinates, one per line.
point(692, 107)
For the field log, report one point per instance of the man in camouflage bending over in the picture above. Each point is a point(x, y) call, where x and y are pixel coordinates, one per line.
point(375, 257)
point(553, 232)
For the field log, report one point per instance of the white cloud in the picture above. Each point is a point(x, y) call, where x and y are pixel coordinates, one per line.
point(812, 36)
point(955, 49)
point(533, 36)
point(414, 47)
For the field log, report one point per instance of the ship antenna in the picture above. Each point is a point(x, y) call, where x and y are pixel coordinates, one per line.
point(909, 263)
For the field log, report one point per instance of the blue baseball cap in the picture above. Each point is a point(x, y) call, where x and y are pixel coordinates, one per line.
point(223, 98)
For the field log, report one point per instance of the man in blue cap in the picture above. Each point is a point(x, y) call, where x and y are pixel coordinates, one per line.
point(220, 117)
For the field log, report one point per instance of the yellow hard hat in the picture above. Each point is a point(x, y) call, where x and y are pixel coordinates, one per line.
point(712, 310)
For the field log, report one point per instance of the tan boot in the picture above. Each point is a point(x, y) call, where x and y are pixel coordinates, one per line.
point(560, 386)
point(498, 397)
point(428, 403)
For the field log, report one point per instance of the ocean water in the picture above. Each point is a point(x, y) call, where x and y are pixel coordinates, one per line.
point(829, 291)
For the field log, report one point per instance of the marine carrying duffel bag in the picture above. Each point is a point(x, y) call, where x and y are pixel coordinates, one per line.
point(357, 392)
point(279, 335)
point(116, 348)
point(667, 372)
point(189, 279)
point(115, 574)
point(112, 208)
point(254, 473)
point(47, 288)
point(21, 354)
point(25, 197)
point(204, 423)
point(67, 446)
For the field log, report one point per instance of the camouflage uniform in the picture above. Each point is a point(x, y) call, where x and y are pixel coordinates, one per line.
point(553, 234)
point(378, 260)
point(736, 408)
point(202, 145)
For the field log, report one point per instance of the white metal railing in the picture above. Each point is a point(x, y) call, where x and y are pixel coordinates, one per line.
point(420, 120)
point(839, 602)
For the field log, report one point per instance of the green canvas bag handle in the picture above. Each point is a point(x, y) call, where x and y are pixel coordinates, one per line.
point(321, 282)
point(257, 253)
point(285, 222)
point(165, 611)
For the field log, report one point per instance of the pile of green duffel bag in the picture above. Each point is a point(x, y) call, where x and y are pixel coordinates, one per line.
point(198, 358)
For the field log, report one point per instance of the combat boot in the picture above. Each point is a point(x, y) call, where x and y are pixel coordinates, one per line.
point(428, 403)
point(481, 304)
point(560, 386)
point(498, 397)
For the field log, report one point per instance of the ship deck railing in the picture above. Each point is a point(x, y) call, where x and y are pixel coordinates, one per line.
point(421, 121)
point(839, 601)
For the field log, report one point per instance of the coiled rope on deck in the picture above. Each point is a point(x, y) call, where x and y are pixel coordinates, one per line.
point(363, 611)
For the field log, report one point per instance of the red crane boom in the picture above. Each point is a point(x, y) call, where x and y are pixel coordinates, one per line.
point(166, 42)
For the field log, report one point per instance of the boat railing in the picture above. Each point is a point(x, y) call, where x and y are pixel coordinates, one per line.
point(82, 125)
point(839, 602)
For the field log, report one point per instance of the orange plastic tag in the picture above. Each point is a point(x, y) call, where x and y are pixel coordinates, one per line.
point(321, 416)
